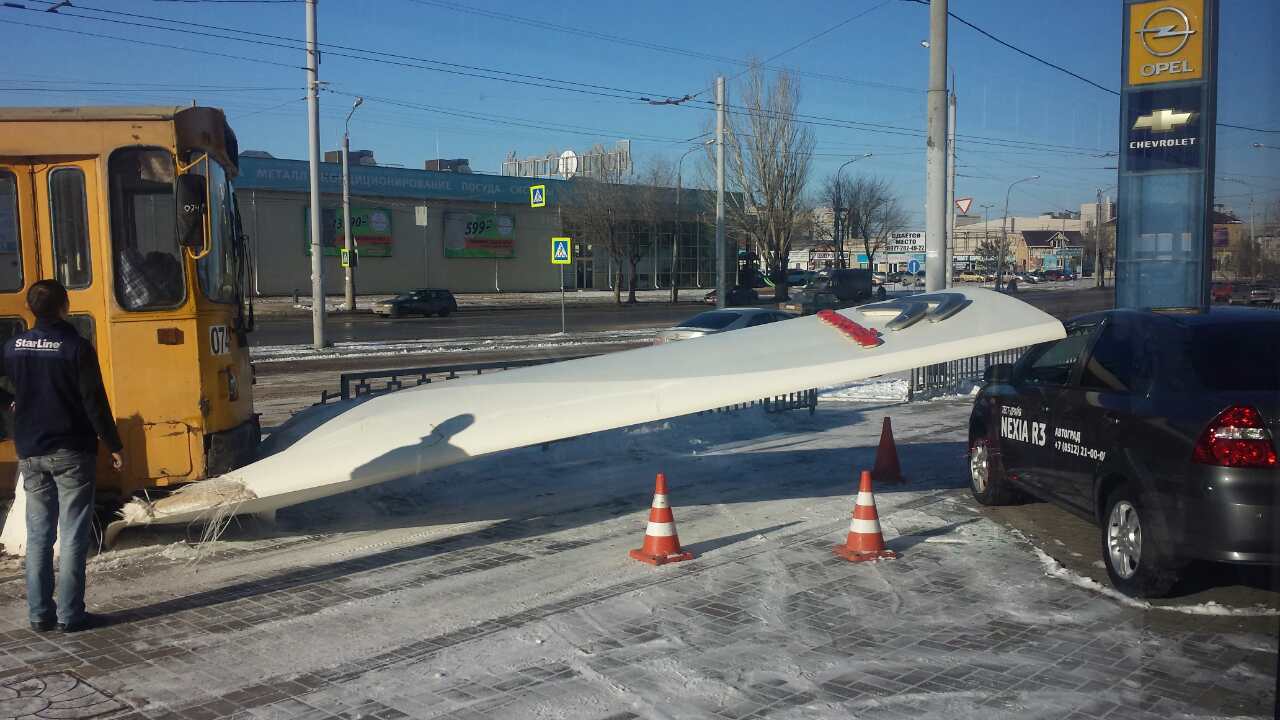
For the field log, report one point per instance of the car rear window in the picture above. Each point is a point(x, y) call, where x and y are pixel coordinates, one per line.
point(715, 320)
point(1235, 356)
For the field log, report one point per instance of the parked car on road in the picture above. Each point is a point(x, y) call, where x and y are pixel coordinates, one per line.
point(1220, 292)
point(832, 289)
point(1240, 294)
point(971, 276)
point(799, 278)
point(1159, 426)
point(718, 321)
point(739, 296)
point(1261, 295)
point(425, 302)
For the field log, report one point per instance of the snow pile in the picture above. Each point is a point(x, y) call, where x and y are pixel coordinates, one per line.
point(873, 389)
point(1213, 608)
point(1053, 568)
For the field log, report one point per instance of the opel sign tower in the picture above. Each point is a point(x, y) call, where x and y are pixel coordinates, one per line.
point(1167, 111)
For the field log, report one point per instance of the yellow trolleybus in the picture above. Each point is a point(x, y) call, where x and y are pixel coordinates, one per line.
point(132, 209)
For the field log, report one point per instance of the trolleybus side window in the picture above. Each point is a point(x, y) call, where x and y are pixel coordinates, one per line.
point(84, 327)
point(69, 216)
point(148, 261)
point(219, 270)
point(10, 247)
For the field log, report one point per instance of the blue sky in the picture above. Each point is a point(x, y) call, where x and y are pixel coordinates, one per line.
point(870, 70)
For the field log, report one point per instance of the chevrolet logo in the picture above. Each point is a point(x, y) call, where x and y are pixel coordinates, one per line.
point(1163, 120)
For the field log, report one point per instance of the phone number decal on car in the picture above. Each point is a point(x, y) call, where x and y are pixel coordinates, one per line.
point(1071, 448)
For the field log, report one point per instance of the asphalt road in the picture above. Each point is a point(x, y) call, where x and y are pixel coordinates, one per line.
point(539, 319)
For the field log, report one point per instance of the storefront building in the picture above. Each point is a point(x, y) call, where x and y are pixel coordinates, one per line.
point(465, 232)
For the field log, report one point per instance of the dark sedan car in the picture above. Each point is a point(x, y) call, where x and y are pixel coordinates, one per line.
point(1157, 426)
point(739, 296)
point(426, 302)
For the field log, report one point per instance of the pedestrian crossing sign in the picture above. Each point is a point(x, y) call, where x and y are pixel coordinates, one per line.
point(537, 196)
point(560, 251)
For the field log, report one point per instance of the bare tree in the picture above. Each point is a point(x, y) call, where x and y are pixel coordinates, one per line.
point(835, 194)
point(599, 211)
point(768, 156)
point(1106, 235)
point(872, 212)
point(652, 200)
point(996, 253)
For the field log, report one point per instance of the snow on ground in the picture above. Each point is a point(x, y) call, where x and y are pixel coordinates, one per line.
point(498, 343)
point(444, 593)
point(887, 388)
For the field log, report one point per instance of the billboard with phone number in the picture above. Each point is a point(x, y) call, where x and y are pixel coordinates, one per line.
point(479, 235)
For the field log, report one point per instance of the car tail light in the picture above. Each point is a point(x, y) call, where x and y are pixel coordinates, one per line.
point(1236, 438)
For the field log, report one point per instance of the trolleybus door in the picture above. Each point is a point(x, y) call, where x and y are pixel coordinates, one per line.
point(71, 233)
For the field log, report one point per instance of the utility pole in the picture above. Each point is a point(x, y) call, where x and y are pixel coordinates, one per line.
point(986, 223)
point(836, 230)
point(1098, 280)
point(722, 290)
point(1254, 251)
point(951, 179)
point(350, 285)
point(935, 247)
point(313, 137)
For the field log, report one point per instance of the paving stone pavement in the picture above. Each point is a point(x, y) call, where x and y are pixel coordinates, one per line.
point(779, 628)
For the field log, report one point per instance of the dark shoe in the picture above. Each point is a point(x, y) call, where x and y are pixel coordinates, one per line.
point(42, 626)
point(88, 622)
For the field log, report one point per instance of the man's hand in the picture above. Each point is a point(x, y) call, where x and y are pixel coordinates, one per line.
point(117, 460)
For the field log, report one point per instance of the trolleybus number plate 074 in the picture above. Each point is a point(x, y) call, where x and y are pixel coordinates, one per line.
point(219, 340)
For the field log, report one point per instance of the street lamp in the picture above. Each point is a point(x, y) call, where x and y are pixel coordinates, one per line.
point(350, 283)
point(675, 236)
point(1004, 230)
point(837, 220)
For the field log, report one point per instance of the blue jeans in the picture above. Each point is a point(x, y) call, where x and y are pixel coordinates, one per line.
point(59, 504)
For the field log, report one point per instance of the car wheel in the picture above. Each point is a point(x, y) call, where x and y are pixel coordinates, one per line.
point(987, 480)
point(1135, 561)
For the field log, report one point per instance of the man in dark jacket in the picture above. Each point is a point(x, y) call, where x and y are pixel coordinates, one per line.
point(60, 412)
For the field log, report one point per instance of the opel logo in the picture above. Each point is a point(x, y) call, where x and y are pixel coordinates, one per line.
point(1165, 31)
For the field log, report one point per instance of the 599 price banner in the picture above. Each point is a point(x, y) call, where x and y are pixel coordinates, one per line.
point(479, 235)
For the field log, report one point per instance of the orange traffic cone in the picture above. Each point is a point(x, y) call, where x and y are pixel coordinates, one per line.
point(865, 541)
point(661, 544)
point(887, 469)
